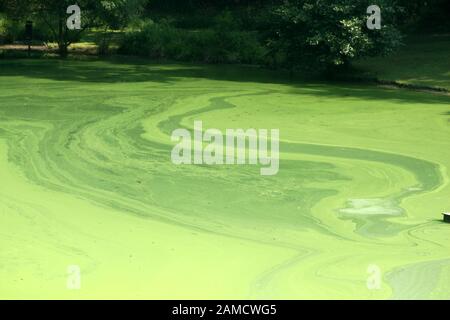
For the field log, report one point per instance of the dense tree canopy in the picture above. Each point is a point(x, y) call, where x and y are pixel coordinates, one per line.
point(94, 13)
point(314, 34)
point(324, 33)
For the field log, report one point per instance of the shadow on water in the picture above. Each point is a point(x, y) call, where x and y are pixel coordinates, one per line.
point(129, 70)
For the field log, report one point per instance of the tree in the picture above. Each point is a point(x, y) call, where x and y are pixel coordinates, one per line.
point(94, 14)
point(116, 14)
point(425, 16)
point(318, 35)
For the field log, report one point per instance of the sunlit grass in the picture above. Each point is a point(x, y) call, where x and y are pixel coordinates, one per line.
point(423, 60)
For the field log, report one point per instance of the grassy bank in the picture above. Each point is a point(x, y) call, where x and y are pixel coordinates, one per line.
point(423, 60)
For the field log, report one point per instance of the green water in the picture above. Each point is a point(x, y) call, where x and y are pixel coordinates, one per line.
point(87, 180)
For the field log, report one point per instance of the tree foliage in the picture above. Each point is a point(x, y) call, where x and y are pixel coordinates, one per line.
point(308, 34)
point(320, 34)
point(94, 14)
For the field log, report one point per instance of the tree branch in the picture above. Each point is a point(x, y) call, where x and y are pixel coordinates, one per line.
point(55, 35)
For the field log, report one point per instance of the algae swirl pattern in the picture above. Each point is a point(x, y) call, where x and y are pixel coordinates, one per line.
point(87, 180)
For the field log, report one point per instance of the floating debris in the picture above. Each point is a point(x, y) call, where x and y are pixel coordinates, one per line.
point(446, 217)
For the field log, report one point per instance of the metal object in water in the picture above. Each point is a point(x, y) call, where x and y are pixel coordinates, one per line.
point(446, 217)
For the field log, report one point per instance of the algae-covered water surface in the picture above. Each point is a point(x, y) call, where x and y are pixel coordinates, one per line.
point(87, 180)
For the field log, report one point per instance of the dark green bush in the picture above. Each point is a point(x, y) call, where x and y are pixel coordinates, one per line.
point(217, 45)
point(2, 29)
point(14, 30)
point(202, 20)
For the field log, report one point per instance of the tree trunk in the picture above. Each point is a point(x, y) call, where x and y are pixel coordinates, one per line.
point(62, 44)
point(62, 50)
